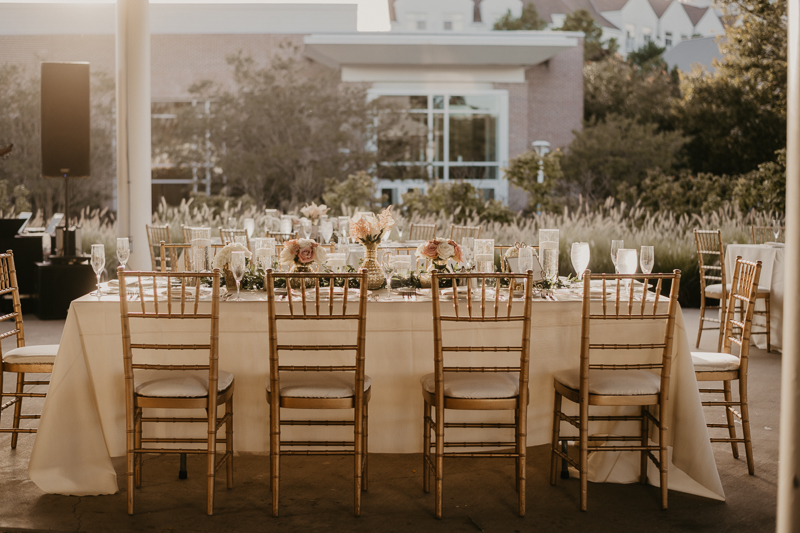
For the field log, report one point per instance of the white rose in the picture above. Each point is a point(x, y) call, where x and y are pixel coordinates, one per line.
point(321, 255)
point(446, 251)
point(305, 243)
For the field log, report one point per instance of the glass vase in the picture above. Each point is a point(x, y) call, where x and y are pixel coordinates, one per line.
point(375, 277)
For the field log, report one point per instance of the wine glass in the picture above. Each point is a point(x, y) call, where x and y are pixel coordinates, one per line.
point(249, 226)
point(525, 262)
point(337, 262)
point(646, 259)
point(776, 229)
point(98, 264)
point(237, 268)
point(389, 266)
point(344, 228)
point(123, 251)
point(615, 246)
point(399, 223)
point(467, 247)
point(231, 222)
point(626, 261)
point(580, 255)
point(326, 230)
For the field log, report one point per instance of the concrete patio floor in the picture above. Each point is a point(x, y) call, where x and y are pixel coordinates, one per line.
point(316, 492)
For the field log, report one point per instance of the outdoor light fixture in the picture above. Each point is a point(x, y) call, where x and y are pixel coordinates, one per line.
point(542, 148)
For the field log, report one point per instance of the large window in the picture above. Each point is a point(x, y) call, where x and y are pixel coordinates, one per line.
point(443, 136)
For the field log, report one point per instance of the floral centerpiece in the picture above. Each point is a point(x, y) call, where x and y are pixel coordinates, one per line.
point(439, 251)
point(314, 212)
point(222, 260)
point(302, 253)
point(369, 230)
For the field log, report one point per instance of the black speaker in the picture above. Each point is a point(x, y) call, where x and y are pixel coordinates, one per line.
point(65, 120)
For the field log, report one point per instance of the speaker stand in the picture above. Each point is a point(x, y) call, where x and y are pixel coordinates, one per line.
point(66, 201)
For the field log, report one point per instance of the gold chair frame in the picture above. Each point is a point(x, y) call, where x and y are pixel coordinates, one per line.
point(709, 246)
point(619, 311)
point(457, 233)
point(229, 235)
point(434, 450)
point(744, 293)
point(170, 254)
point(8, 285)
point(280, 238)
point(762, 234)
point(421, 232)
point(317, 309)
point(156, 234)
point(187, 308)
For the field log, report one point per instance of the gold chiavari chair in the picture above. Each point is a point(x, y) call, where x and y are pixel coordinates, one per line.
point(501, 251)
point(314, 386)
point(711, 260)
point(280, 238)
point(628, 376)
point(457, 233)
point(171, 256)
point(762, 234)
point(156, 234)
point(23, 359)
point(727, 367)
point(458, 387)
point(421, 232)
point(151, 384)
point(229, 235)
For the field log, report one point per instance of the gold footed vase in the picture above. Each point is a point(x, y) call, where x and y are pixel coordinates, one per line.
point(375, 277)
point(298, 283)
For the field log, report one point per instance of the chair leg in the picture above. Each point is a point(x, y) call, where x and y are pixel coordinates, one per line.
point(555, 440)
point(426, 447)
point(130, 439)
point(726, 386)
point(645, 442)
point(212, 462)
point(663, 459)
point(365, 470)
point(275, 453)
point(358, 456)
point(584, 451)
point(748, 443)
point(702, 318)
point(137, 442)
point(229, 440)
point(438, 477)
point(766, 317)
point(521, 462)
point(516, 440)
point(18, 408)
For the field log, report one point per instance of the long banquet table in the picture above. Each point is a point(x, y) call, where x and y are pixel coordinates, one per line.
point(83, 420)
point(771, 257)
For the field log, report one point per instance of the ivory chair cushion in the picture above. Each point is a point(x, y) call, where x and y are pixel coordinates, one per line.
point(475, 385)
point(714, 362)
point(715, 290)
point(613, 382)
point(319, 384)
point(178, 383)
point(32, 355)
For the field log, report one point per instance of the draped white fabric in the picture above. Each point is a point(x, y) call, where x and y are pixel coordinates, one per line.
point(83, 422)
point(771, 257)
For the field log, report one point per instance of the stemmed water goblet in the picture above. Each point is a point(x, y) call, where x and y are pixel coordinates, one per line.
point(249, 226)
point(647, 259)
point(98, 264)
point(326, 230)
point(615, 246)
point(389, 266)
point(580, 254)
point(123, 251)
point(467, 248)
point(344, 229)
point(776, 229)
point(305, 226)
point(237, 268)
point(399, 223)
point(626, 263)
point(525, 261)
point(231, 222)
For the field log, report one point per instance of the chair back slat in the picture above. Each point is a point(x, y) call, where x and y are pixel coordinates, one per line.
point(9, 285)
point(229, 235)
point(762, 234)
point(305, 300)
point(633, 304)
point(421, 232)
point(457, 233)
point(281, 238)
point(156, 234)
point(744, 289)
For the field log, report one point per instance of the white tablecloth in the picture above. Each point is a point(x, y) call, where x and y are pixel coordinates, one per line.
point(771, 258)
point(83, 420)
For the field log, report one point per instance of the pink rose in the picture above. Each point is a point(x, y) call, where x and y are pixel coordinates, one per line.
point(306, 255)
point(430, 249)
point(457, 253)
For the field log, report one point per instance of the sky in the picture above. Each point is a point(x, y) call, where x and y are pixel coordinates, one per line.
point(373, 15)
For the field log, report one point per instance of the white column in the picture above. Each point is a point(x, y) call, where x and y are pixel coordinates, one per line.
point(789, 460)
point(134, 190)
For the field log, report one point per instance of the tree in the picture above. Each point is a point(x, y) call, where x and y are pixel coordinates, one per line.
point(458, 199)
point(281, 131)
point(523, 171)
point(763, 189)
point(648, 57)
point(736, 115)
point(593, 47)
point(611, 158)
point(20, 124)
point(529, 19)
point(643, 93)
point(356, 191)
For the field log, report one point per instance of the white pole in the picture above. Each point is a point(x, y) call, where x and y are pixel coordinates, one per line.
point(134, 190)
point(789, 460)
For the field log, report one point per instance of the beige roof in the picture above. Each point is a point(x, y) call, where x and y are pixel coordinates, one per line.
point(659, 6)
point(547, 8)
point(609, 5)
point(695, 13)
